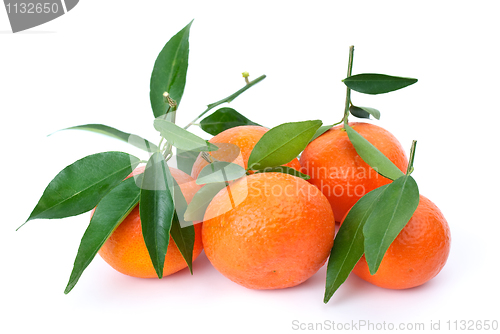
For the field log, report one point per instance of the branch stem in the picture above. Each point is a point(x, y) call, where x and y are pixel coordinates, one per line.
point(412, 158)
point(348, 92)
point(227, 99)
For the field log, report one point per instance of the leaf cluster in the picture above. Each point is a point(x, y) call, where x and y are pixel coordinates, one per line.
point(100, 182)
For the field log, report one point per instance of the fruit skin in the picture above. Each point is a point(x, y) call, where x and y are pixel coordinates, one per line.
point(340, 173)
point(244, 137)
point(277, 237)
point(126, 251)
point(417, 254)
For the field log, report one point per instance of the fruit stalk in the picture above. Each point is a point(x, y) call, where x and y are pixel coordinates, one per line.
point(227, 99)
point(348, 92)
point(412, 157)
point(169, 116)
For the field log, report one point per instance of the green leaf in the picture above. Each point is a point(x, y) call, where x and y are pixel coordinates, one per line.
point(396, 206)
point(349, 242)
point(223, 119)
point(109, 213)
point(169, 71)
point(371, 83)
point(186, 159)
point(282, 144)
point(364, 112)
point(109, 131)
point(220, 171)
point(157, 210)
point(284, 170)
point(184, 240)
point(181, 138)
point(80, 186)
point(372, 156)
point(181, 231)
point(196, 209)
point(320, 131)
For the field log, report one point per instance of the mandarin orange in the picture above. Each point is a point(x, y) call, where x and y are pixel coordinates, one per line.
point(126, 251)
point(235, 145)
point(417, 254)
point(278, 236)
point(340, 173)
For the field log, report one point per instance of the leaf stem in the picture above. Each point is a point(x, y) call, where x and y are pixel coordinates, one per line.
point(348, 92)
point(227, 99)
point(169, 116)
point(412, 158)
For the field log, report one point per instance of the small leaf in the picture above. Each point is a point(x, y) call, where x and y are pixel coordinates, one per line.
point(371, 83)
point(349, 242)
point(186, 159)
point(80, 186)
point(396, 206)
point(184, 240)
point(372, 156)
point(223, 119)
point(132, 139)
point(320, 131)
point(282, 144)
point(284, 170)
point(181, 138)
point(156, 210)
point(169, 71)
point(111, 211)
point(220, 171)
point(198, 205)
point(364, 112)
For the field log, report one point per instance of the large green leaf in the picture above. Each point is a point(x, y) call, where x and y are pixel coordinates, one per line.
point(282, 144)
point(349, 242)
point(396, 206)
point(181, 231)
point(80, 186)
point(109, 131)
point(169, 71)
point(198, 205)
point(372, 156)
point(220, 171)
point(157, 210)
point(181, 138)
point(109, 213)
point(223, 119)
point(184, 240)
point(371, 83)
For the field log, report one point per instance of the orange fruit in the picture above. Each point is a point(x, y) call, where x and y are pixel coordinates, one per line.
point(235, 145)
point(126, 251)
point(340, 173)
point(417, 254)
point(278, 236)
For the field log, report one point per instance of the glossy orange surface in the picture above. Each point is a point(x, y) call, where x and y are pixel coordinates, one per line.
point(126, 251)
point(278, 236)
point(340, 173)
point(417, 254)
point(235, 145)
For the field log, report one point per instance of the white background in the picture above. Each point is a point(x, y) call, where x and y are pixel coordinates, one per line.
point(93, 65)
